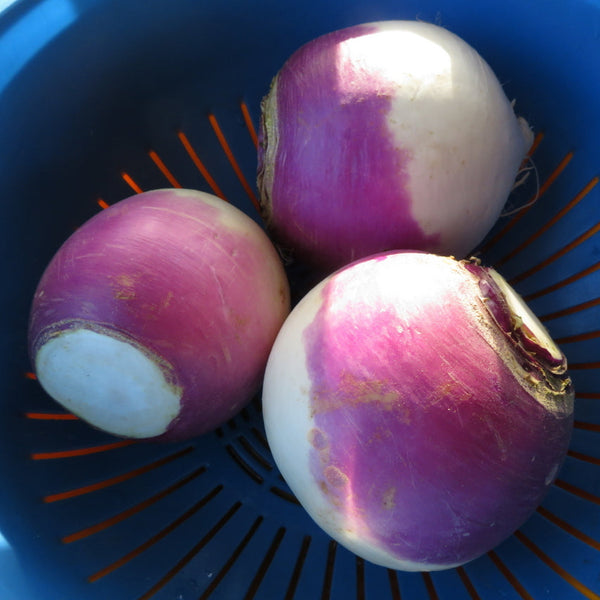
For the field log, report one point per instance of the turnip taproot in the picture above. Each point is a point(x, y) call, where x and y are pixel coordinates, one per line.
point(417, 408)
point(386, 135)
point(156, 317)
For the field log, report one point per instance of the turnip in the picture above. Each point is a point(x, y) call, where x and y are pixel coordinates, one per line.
point(386, 135)
point(156, 317)
point(417, 408)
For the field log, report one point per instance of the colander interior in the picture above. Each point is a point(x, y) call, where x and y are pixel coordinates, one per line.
point(102, 99)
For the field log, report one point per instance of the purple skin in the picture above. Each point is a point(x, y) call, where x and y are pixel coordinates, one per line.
point(309, 163)
point(436, 453)
point(112, 272)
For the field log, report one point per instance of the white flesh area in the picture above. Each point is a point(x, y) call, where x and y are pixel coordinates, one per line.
point(108, 382)
point(447, 109)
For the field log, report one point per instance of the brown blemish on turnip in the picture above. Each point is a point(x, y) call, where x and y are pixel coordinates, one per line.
point(335, 477)
point(318, 439)
point(352, 391)
point(389, 498)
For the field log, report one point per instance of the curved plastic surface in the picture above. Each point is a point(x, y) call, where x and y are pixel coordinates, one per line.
point(98, 99)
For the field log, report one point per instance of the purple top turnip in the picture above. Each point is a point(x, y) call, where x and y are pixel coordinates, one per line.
point(387, 135)
point(417, 408)
point(156, 317)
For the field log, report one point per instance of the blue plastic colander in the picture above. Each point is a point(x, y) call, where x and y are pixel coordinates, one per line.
point(102, 98)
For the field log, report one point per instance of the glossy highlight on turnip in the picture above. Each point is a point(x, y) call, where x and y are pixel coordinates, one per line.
point(417, 408)
point(386, 135)
point(155, 318)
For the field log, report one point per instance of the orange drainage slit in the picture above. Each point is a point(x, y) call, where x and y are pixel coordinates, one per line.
point(232, 559)
point(295, 578)
point(579, 337)
point(81, 451)
point(131, 183)
point(232, 161)
point(532, 202)
point(429, 586)
point(586, 426)
point(509, 576)
point(588, 395)
point(563, 283)
point(537, 140)
point(163, 169)
point(571, 310)
point(200, 165)
point(88, 531)
point(582, 194)
point(265, 564)
point(254, 453)
point(249, 123)
point(593, 460)
point(568, 487)
point(51, 416)
point(582, 589)
point(467, 583)
point(159, 536)
point(584, 366)
point(102, 204)
point(560, 253)
point(586, 539)
point(360, 578)
point(329, 566)
point(115, 480)
point(394, 585)
point(190, 555)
